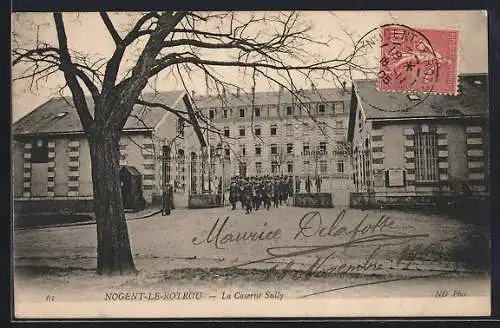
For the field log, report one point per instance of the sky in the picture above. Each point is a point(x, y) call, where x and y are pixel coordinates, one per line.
point(87, 34)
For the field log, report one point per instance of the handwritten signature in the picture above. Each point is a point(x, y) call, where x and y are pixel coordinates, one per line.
point(375, 233)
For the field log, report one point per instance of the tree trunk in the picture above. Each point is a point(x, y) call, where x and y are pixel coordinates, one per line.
point(114, 255)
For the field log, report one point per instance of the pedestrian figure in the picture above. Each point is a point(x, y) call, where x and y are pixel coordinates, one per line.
point(318, 183)
point(283, 191)
point(297, 184)
point(308, 184)
point(165, 209)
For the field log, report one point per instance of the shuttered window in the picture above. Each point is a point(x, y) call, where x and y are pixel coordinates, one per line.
point(426, 159)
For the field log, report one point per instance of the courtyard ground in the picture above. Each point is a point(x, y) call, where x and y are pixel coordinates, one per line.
point(338, 248)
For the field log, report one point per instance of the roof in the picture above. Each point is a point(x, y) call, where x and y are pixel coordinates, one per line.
point(59, 116)
point(131, 170)
point(472, 100)
point(271, 97)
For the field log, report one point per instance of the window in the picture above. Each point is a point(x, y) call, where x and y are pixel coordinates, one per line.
point(426, 164)
point(274, 129)
point(258, 150)
point(338, 107)
point(321, 109)
point(258, 168)
point(227, 153)
point(242, 112)
point(61, 114)
point(274, 167)
point(339, 125)
point(340, 166)
point(242, 131)
point(323, 167)
point(257, 131)
point(322, 147)
point(226, 132)
point(305, 149)
point(289, 110)
point(256, 111)
point(40, 152)
point(224, 113)
point(289, 148)
point(211, 114)
point(274, 149)
point(360, 116)
point(289, 129)
point(243, 151)
point(289, 167)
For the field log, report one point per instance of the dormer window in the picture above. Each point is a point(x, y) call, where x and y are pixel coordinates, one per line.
point(413, 97)
point(477, 82)
point(61, 114)
point(321, 109)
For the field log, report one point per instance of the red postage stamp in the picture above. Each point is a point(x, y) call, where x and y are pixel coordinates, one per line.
point(418, 60)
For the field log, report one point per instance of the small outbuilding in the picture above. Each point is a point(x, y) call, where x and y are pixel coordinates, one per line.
point(131, 186)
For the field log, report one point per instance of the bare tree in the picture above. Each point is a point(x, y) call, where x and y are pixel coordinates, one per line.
point(274, 45)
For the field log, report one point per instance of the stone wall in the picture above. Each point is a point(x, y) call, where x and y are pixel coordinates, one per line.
point(316, 200)
point(56, 206)
point(204, 201)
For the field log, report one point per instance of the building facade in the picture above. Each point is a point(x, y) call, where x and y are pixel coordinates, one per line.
point(275, 133)
point(51, 156)
point(411, 149)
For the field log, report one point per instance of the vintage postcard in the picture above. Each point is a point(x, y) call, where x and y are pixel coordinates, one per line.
point(187, 164)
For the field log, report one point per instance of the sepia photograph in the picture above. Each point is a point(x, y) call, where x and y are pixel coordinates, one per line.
point(189, 164)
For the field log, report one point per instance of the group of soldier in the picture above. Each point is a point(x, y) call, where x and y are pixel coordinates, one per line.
point(256, 192)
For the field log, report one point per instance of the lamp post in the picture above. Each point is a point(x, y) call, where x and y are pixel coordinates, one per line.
point(203, 168)
point(220, 156)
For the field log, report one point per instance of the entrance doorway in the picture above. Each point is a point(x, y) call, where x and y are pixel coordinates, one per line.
point(242, 169)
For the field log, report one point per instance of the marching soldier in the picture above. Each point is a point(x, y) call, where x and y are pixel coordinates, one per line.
point(233, 194)
point(248, 193)
point(276, 193)
point(267, 194)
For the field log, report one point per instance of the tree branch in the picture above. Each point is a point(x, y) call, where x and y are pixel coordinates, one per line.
point(70, 75)
point(111, 28)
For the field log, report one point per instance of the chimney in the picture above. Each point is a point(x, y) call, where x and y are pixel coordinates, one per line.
point(253, 91)
point(193, 94)
point(237, 92)
point(344, 83)
point(312, 85)
point(282, 88)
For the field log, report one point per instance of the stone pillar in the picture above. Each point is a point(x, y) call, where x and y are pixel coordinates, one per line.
point(51, 174)
point(475, 158)
point(27, 170)
point(74, 168)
